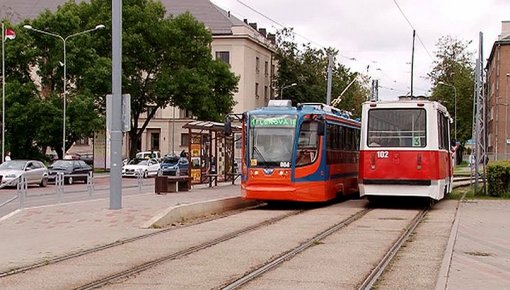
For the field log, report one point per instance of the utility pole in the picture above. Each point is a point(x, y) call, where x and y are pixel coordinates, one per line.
point(330, 78)
point(412, 64)
point(116, 129)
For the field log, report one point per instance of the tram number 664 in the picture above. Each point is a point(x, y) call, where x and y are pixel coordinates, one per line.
point(382, 154)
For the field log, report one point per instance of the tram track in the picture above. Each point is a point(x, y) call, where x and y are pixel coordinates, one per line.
point(270, 265)
point(76, 254)
point(379, 269)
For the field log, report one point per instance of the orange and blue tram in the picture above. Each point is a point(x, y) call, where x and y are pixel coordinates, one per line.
point(307, 153)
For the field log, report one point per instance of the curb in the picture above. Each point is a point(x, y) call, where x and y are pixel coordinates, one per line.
point(195, 210)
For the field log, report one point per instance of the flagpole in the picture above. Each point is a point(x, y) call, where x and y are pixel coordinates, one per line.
point(3, 92)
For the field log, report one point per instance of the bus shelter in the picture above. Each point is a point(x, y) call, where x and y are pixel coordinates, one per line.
point(212, 155)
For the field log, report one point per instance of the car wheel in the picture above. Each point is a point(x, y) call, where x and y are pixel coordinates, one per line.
point(70, 180)
point(44, 182)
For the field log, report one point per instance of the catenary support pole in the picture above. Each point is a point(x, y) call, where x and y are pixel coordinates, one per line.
point(116, 129)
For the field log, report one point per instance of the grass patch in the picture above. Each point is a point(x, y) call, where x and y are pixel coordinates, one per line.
point(459, 191)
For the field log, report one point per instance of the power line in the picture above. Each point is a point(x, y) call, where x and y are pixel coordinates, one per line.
point(410, 24)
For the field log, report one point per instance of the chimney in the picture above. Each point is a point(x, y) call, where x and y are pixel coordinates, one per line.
point(262, 31)
point(271, 37)
point(253, 25)
point(245, 21)
point(228, 14)
point(505, 30)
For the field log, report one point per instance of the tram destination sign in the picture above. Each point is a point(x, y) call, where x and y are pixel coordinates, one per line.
point(273, 121)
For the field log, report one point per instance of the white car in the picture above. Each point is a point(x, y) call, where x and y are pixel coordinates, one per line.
point(147, 167)
point(35, 172)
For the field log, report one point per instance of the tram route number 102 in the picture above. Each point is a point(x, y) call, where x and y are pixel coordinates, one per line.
point(382, 154)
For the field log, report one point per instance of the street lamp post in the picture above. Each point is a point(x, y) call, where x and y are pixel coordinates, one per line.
point(285, 87)
point(506, 115)
point(64, 40)
point(454, 108)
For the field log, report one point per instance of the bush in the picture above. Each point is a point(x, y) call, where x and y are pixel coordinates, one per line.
point(498, 177)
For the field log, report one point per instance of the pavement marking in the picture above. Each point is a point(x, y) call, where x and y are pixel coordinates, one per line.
point(5, 217)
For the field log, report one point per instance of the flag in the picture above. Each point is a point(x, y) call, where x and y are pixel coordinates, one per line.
point(10, 34)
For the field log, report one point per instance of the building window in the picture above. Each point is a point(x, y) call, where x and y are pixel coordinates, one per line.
point(185, 139)
point(272, 70)
point(257, 90)
point(84, 141)
point(185, 114)
point(266, 68)
point(155, 141)
point(224, 56)
point(266, 93)
point(257, 64)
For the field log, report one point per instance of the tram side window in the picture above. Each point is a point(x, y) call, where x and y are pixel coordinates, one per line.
point(442, 133)
point(308, 143)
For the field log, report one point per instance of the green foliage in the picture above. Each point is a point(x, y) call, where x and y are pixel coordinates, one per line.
point(166, 61)
point(454, 67)
point(498, 177)
point(307, 67)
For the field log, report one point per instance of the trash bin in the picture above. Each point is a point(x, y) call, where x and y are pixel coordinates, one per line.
point(161, 184)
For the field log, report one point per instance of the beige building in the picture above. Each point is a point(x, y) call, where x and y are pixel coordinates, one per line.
point(249, 52)
point(498, 86)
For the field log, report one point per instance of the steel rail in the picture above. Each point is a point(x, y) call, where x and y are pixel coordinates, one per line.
point(288, 255)
point(76, 254)
point(371, 279)
point(147, 265)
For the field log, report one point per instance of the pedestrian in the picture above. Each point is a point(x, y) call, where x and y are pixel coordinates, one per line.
point(8, 156)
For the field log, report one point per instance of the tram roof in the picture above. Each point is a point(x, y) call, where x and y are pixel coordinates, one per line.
point(404, 103)
point(304, 109)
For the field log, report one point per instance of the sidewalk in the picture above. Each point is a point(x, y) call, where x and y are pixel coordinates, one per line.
point(480, 247)
point(35, 234)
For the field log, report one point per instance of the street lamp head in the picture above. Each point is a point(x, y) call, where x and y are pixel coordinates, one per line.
point(100, 26)
point(293, 84)
point(441, 82)
point(28, 27)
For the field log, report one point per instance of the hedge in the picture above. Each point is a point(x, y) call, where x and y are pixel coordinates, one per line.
point(498, 177)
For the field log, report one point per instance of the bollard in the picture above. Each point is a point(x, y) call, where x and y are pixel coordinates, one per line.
point(139, 176)
point(59, 185)
point(90, 183)
point(21, 187)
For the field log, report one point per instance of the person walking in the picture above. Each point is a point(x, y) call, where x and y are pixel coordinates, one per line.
point(8, 156)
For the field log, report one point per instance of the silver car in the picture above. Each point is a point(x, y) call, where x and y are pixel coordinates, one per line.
point(34, 171)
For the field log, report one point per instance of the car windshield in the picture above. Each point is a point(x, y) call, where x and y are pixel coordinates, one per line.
point(139, 162)
point(171, 160)
point(13, 164)
point(61, 164)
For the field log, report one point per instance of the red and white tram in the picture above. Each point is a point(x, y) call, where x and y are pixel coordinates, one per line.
point(405, 149)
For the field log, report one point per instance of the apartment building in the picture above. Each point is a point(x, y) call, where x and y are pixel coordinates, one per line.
point(498, 93)
point(247, 49)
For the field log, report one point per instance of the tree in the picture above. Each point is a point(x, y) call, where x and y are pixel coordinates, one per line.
point(168, 61)
point(307, 67)
point(453, 67)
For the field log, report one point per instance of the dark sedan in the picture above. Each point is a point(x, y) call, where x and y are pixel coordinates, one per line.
point(174, 166)
point(74, 170)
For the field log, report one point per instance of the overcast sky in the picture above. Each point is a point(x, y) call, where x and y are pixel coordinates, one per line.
point(375, 32)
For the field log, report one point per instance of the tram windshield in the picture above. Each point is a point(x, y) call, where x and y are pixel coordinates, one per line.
point(270, 140)
point(397, 128)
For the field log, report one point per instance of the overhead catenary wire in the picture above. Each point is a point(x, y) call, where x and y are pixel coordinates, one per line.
point(350, 58)
point(411, 25)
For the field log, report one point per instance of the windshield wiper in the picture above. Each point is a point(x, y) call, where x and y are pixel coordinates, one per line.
point(255, 149)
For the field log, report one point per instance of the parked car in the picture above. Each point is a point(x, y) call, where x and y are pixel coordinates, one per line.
point(148, 167)
point(174, 166)
point(34, 171)
point(74, 170)
point(149, 155)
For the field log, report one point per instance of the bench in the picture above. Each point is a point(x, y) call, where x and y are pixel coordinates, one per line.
point(164, 184)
